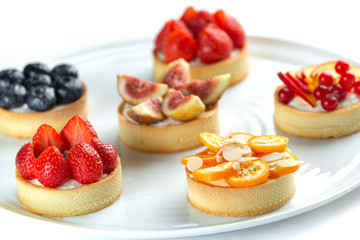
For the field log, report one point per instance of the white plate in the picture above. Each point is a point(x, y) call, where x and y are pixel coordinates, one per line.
point(154, 203)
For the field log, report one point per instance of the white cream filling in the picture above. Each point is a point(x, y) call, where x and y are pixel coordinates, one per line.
point(25, 108)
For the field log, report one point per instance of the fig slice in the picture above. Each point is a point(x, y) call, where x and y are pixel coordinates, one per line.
point(176, 74)
point(181, 108)
point(135, 91)
point(209, 90)
point(147, 112)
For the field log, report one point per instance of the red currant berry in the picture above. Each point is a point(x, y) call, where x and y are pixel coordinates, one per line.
point(357, 87)
point(326, 79)
point(320, 92)
point(341, 67)
point(329, 103)
point(338, 91)
point(347, 80)
point(285, 95)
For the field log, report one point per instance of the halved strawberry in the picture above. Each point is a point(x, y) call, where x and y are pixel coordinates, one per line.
point(24, 161)
point(188, 14)
point(85, 163)
point(77, 130)
point(199, 21)
point(44, 137)
point(51, 169)
point(107, 152)
point(232, 27)
point(179, 44)
point(169, 26)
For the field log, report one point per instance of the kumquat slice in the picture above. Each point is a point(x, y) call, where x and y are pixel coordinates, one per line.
point(208, 159)
point(285, 167)
point(265, 144)
point(222, 170)
point(241, 137)
point(211, 141)
point(253, 174)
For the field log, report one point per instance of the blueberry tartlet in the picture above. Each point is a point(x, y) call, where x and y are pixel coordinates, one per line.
point(39, 94)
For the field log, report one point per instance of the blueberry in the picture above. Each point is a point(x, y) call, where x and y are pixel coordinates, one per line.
point(14, 96)
point(4, 85)
point(37, 79)
point(41, 98)
point(35, 68)
point(63, 70)
point(68, 89)
point(12, 75)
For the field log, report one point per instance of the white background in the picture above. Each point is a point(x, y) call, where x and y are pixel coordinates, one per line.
point(30, 30)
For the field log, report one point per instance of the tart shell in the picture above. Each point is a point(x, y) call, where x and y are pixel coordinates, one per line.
point(239, 202)
point(24, 125)
point(167, 139)
point(338, 123)
point(237, 66)
point(72, 202)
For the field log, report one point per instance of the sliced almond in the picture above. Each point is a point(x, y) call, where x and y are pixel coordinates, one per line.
point(194, 163)
point(251, 158)
point(236, 166)
point(232, 152)
point(272, 157)
point(221, 183)
point(246, 150)
point(218, 157)
point(288, 163)
point(242, 138)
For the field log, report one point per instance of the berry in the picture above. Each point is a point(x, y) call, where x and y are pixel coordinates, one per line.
point(51, 169)
point(41, 98)
point(12, 75)
point(63, 70)
point(357, 87)
point(14, 96)
point(179, 44)
point(199, 21)
point(347, 80)
point(188, 14)
point(68, 89)
point(4, 85)
point(214, 44)
point(77, 130)
point(232, 27)
point(44, 137)
point(285, 95)
point(326, 79)
point(37, 79)
point(107, 152)
point(329, 102)
point(341, 67)
point(338, 91)
point(25, 160)
point(169, 27)
point(321, 91)
point(36, 68)
point(85, 163)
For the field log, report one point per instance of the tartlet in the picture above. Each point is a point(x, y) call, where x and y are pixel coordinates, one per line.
point(232, 178)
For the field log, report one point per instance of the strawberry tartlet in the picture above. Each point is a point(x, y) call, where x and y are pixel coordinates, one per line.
point(240, 175)
point(213, 44)
point(319, 101)
point(67, 174)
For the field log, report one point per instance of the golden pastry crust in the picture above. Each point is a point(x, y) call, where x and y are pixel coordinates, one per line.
point(337, 123)
point(239, 202)
point(65, 203)
point(166, 139)
point(24, 125)
point(237, 66)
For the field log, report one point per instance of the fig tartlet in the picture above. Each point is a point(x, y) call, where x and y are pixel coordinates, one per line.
point(156, 118)
point(240, 175)
point(37, 95)
point(319, 101)
point(213, 44)
point(67, 174)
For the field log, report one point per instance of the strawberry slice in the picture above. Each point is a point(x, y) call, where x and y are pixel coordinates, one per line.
point(199, 21)
point(25, 160)
point(51, 169)
point(295, 89)
point(77, 130)
point(179, 44)
point(169, 26)
point(44, 137)
point(188, 14)
point(85, 163)
point(298, 83)
point(107, 152)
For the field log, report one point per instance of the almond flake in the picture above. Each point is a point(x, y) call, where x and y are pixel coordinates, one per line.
point(218, 157)
point(194, 163)
point(236, 166)
point(241, 138)
point(288, 163)
point(232, 152)
point(251, 158)
point(272, 157)
point(221, 183)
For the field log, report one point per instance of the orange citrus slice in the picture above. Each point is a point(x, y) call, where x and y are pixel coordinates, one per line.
point(205, 151)
point(222, 170)
point(211, 141)
point(253, 174)
point(265, 144)
point(208, 159)
point(241, 137)
point(289, 167)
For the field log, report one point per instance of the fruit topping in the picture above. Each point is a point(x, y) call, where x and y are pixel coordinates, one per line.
point(188, 14)
point(214, 44)
point(169, 27)
point(181, 108)
point(285, 95)
point(177, 73)
point(147, 112)
point(68, 89)
point(321, 91)
point(25, 160)
point(356, 87)
point(285, 166)
point(135, 91)
point(37, 79)
point(347, 80)
point(63, 70)
point(51, 169)
point(342, 67)
point(329, 102)
point(32, 69)
point(107, 152)
point(41, 98)
point(326, 79)
point(265, 144)
point(209, 90)
point(222, 170)
point(12, 76)
point(44, 137)
point(13, 95)
point(179, 44)
point(199, 21)
point(339, 91)
point(211, 141)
